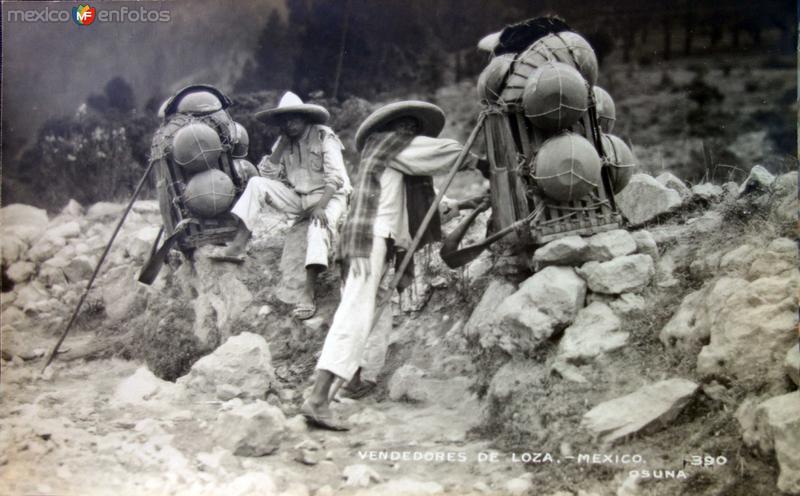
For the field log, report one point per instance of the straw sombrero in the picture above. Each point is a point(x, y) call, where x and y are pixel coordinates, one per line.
point(430, 117)
point(292, 104)
point(489, 42)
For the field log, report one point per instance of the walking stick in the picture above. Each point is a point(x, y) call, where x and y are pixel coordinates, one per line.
point(99, 264)
point(338, 382)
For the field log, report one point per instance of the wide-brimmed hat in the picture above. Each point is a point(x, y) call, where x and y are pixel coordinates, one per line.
point(292, 104)
point(430, 117)
point(489, 42)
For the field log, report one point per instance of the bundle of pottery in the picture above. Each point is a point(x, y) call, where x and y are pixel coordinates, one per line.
point(197, 149)
point(550, 83)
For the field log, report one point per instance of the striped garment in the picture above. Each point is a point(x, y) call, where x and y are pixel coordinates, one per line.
point(380, 148)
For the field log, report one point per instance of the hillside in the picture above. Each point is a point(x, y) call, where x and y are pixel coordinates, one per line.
point(690, 329)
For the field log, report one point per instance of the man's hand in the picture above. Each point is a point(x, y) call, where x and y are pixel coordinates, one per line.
point(318, 215)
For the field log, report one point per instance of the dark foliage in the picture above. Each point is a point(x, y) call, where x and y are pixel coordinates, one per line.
point(340, 52)
point(98, 154)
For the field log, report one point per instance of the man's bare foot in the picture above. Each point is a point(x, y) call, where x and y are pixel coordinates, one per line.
point(237, 247)
point(320, 415)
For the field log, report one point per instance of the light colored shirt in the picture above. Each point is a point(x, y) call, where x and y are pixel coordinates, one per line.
point(424, 156)
point(309, 163)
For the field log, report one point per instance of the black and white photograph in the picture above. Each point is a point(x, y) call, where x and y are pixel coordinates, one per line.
point(399, 247)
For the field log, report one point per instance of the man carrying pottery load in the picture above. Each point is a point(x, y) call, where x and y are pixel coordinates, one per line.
point(304, 177)
point(399, 152)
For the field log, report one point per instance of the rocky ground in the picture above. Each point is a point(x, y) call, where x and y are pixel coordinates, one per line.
point(608, 370)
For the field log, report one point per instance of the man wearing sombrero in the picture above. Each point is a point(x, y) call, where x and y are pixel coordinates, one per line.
point(399, 152)
point(304, 177)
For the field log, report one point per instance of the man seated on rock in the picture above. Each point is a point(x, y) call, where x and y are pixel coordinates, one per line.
point(304, 177)
point(393, 191)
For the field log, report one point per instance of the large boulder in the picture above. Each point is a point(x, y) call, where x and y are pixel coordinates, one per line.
point(20, 271)
point(123, 296)
point(403, 380)
point(628, 304)
point(139, 243)
point(594, 332)
point(143, 388)
point(243, 362)
point(690, 327)
point(190, 310)
point(104, 211)
point(620, 275)
point(80, 268)
point(23, 221)
point(685, 331)
point(784, 208)
point(707, 223)
point(254, 429)
point(222, 299)
point(649, 408)
point(45, 247)
point(610, 244)
point(12, 247)
point(739, 259)
point(707, 192)
point(759, 180)
point(777, 258)
point(546, 302)
point(774, 427)
point(72, 209)
point(753, 328)
point(66, 229)
point(569, 250)
point(671, 181)
point(645, 199)
point(30, 296)
point(485, 316)
point(645, 243)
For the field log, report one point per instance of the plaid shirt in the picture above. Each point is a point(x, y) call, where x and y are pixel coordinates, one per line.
point(380, 148)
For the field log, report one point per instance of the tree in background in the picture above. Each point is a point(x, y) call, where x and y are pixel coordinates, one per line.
point(117, 96)
point(97, 154)
point(272, 64)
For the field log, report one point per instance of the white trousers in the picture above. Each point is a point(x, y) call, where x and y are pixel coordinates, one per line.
point(261, 191)
point(345, 344)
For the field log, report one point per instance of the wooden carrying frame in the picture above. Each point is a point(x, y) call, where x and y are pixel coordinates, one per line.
point(200, 231)
point(521, 214)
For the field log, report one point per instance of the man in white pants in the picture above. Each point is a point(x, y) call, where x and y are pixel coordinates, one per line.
point(304, 177)
point(398, 144)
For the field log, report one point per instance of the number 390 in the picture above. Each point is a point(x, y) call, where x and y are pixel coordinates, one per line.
point(707, 460)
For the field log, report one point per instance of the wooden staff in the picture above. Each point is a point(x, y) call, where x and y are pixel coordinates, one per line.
point(99, 264)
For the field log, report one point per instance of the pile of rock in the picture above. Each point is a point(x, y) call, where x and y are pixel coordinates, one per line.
point(608, 270)
point(48, 261)
point(741, 324)
point(187, 312)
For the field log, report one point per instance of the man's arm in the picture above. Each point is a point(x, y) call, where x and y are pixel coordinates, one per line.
point(426, 156)
point(271, 166)
point(333, 169)
point(335, 175)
